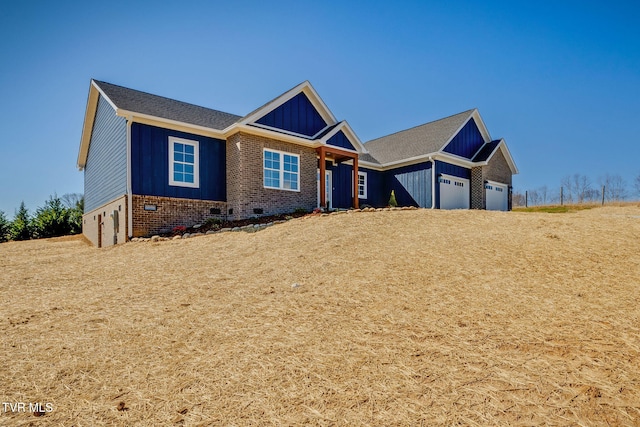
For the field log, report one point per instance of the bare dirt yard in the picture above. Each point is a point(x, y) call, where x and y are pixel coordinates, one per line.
point(401, 318)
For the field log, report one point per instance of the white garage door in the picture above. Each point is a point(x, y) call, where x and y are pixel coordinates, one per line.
point(454, 192)
point(497, 196)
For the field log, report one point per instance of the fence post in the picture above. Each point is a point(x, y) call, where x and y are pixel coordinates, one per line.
point(561, 196)
point(603, 195)
point(526, 199)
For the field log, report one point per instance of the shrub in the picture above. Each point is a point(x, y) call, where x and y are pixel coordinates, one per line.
point(392, 200)
point(300, 210)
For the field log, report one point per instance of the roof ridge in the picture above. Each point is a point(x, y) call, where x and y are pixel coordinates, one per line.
point(423, 124)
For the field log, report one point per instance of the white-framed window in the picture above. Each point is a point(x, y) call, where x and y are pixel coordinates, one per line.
point(362, 185)
point(184, 162)
point(281, 170)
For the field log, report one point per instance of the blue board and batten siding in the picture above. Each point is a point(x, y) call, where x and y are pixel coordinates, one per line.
point(296, 115)
point(467, 142)
point(105, 173)
point(340, 140)
point(150, 164)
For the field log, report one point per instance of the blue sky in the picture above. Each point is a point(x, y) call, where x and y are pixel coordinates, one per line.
point(559, 80)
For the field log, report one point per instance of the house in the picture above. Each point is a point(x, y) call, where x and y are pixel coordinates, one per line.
point(152, 163)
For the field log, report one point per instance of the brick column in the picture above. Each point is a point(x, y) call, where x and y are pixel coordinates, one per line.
point(478, 200)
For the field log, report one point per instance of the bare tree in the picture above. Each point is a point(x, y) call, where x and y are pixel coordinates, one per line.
point(534, 198)
point(544, 194)
point(581, 186)
point(615, 187)
point(517, 199)
point(636, 184)
point(567, 186)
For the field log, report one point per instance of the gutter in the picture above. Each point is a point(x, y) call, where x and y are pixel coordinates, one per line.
point(433, 182)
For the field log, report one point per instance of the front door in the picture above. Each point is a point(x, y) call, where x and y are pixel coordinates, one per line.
point(328, 186)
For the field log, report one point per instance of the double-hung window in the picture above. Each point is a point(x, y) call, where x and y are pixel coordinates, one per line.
point(183, 162)
point(362, 185)
point(281, 170)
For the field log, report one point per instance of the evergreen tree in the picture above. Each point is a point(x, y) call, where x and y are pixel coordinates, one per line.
point(52, 219)
point(21, 225)
point(5, 226)
point(74, 203)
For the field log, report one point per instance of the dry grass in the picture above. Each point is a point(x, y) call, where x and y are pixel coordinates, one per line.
point(401, 318)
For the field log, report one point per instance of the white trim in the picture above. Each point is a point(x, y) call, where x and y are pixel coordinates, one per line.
point(278, 130)
point(172, 124)
point(129, 184)
point(501, 184)
point(349, 133)
point(196, 162)
point(365, 184)
point(253, 130)
point(328, 188)
point(281, 170)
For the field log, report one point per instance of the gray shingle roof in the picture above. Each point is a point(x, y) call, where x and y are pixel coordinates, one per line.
point(486, 151)
point(420, 140)
point(159, 106)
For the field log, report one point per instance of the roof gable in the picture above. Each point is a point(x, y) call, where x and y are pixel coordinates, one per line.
point(418, 141)
point(300, 111)
point(297, 115)
point(467, 141)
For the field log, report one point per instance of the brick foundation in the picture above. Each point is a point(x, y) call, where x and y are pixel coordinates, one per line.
point(171, 212)
point(245, 182)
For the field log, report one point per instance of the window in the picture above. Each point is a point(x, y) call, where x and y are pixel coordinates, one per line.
point(281, 170)
point(362, 185)
point(183, 162)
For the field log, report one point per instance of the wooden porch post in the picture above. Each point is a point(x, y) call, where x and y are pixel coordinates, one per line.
point(323, 182)
point(356, 199)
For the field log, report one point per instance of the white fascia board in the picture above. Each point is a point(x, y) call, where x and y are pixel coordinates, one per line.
point(507, 155)
point(273, 135)
point(481, 126)
point(351, 135)
point(89, 118)
point(304, 87)
point(171, 124)
point(365, 164)
point(453, 159)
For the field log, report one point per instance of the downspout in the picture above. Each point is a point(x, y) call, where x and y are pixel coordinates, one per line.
point(129, 195)
point(433, 183)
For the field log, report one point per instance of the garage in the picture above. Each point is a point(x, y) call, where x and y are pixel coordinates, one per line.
point(497, 196)
point(454, 192)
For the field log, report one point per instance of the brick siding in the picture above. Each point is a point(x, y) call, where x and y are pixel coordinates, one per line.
point(171, 212)
point(245, 181)
point(478, 200)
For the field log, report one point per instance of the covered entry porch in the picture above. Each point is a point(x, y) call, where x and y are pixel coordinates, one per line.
point(336, 155)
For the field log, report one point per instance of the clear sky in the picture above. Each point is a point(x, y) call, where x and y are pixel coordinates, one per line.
point(559, 80)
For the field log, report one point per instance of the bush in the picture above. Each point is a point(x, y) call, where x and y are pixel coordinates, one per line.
point(392, 200)
point(21, 225)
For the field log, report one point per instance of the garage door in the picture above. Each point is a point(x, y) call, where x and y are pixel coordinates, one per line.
point(497, 196)
point(454, 192)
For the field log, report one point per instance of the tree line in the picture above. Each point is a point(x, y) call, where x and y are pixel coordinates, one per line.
point(59, 216)
point(577, 188)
